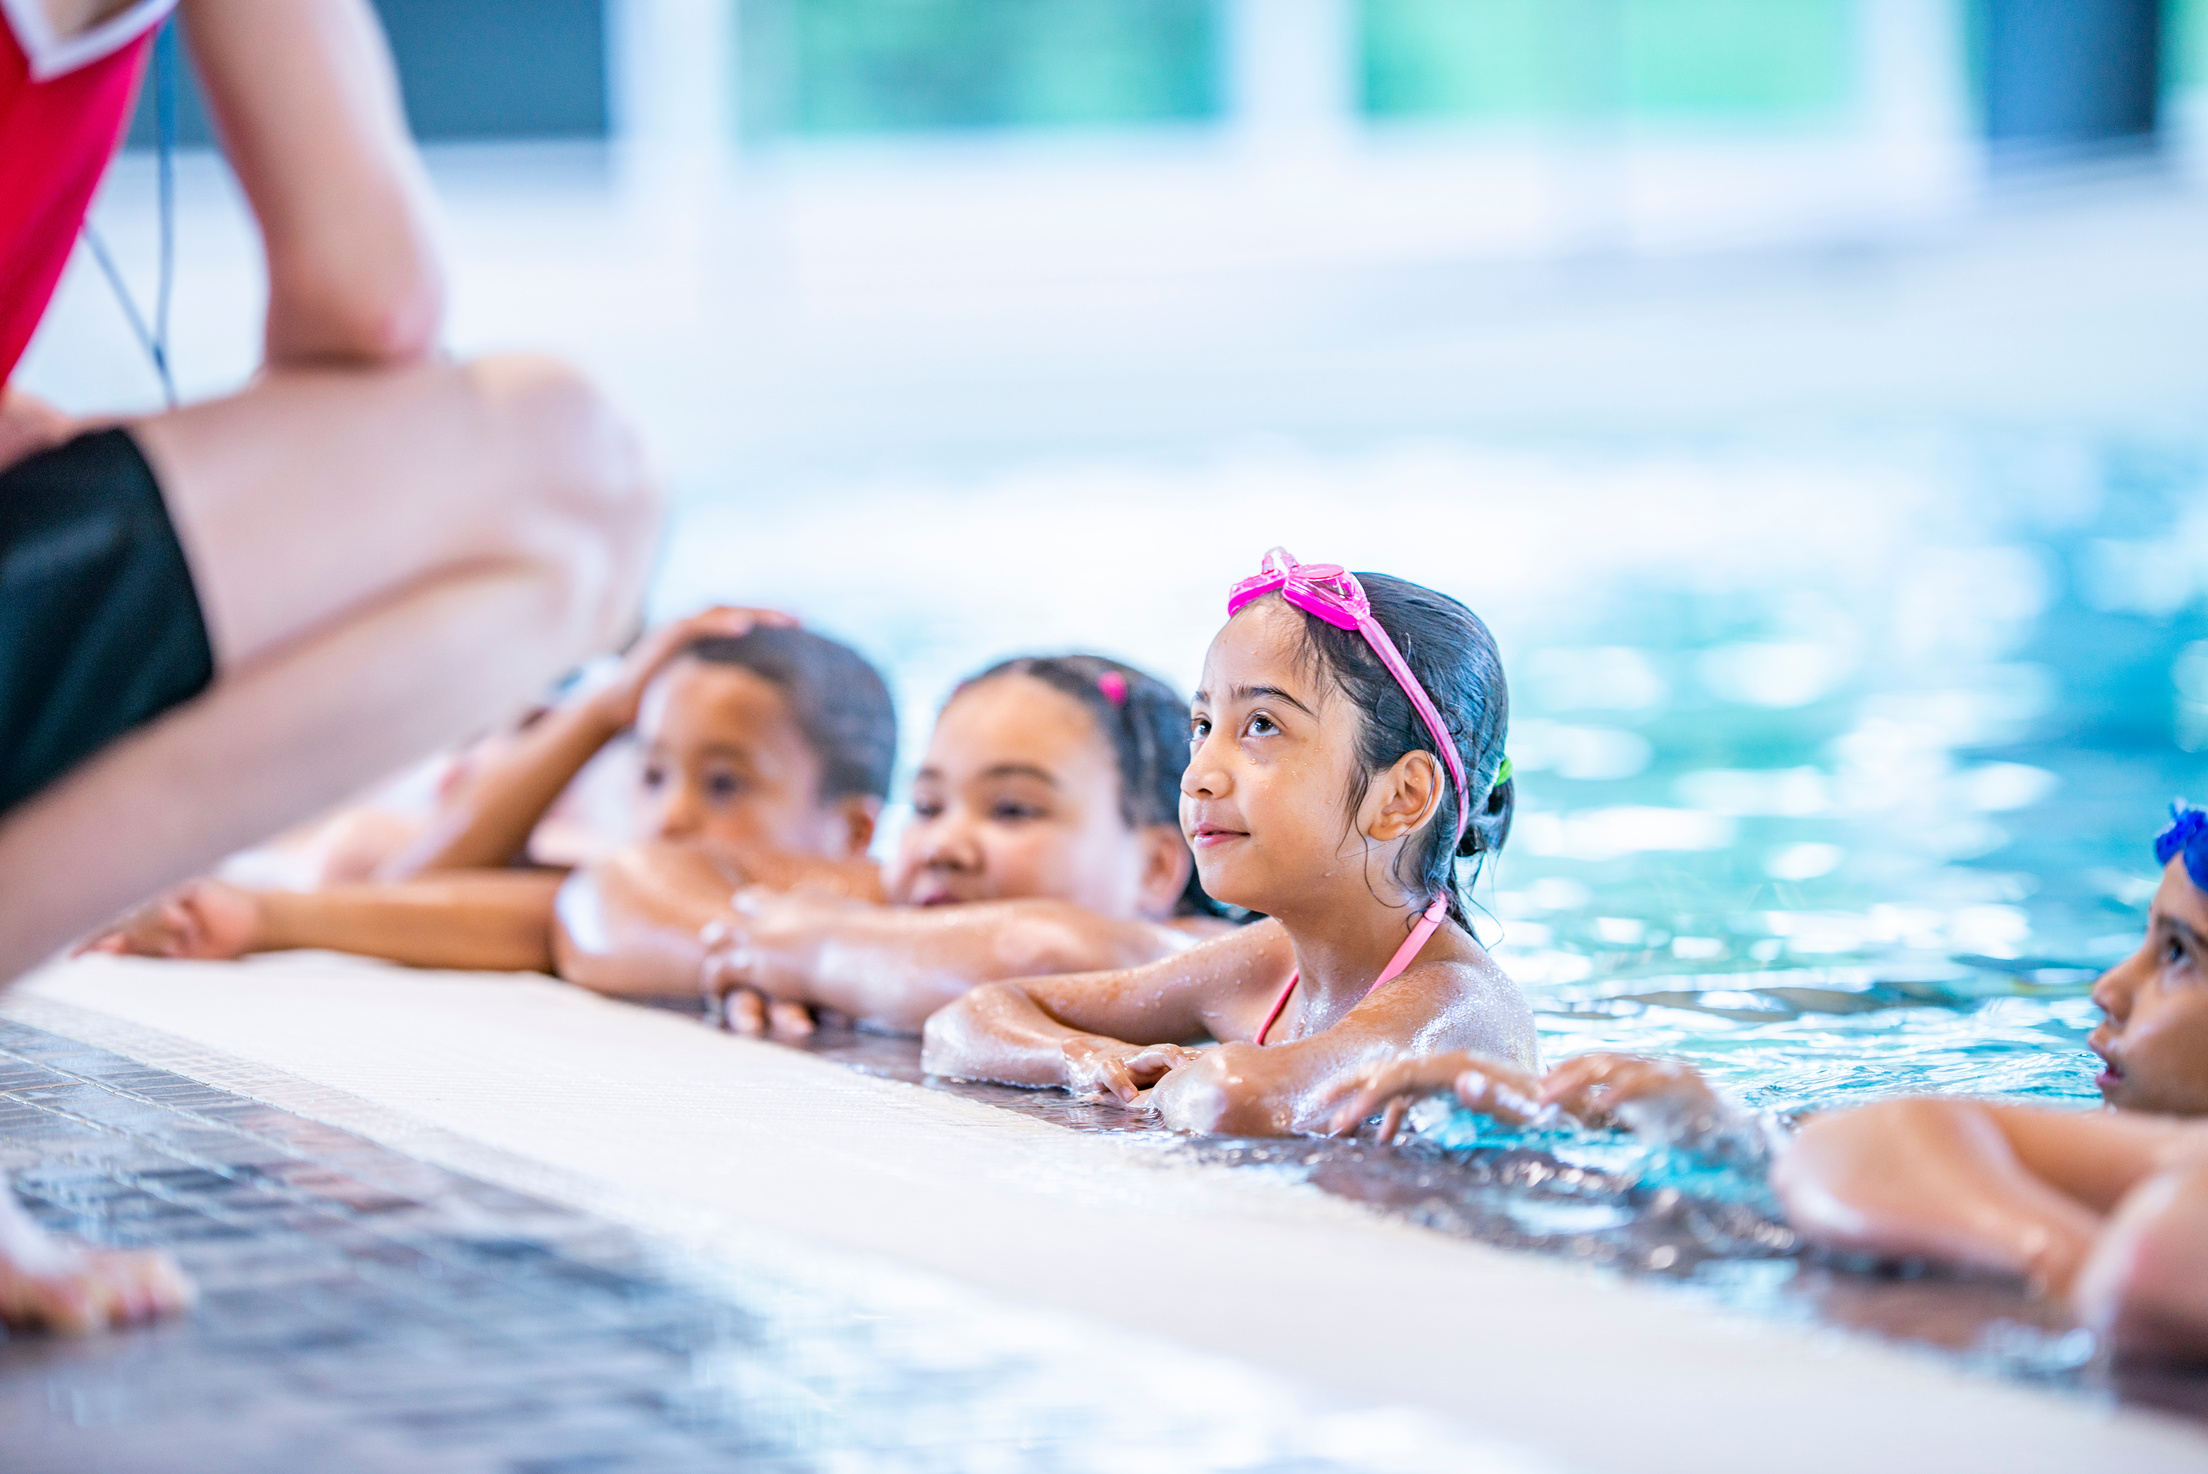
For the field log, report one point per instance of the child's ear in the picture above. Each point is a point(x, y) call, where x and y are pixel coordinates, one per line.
point(1404, 797)
point(1166, 863)
point(860, 812)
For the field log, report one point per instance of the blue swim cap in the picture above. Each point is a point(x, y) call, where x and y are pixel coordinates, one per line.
point(2188, 832)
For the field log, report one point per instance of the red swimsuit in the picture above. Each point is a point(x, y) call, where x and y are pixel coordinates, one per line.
point(56, 138)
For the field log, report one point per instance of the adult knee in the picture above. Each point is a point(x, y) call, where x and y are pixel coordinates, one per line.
point(579, 494)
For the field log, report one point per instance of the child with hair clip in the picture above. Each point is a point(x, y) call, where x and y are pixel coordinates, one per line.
point(1042, 839)
point(1346, 752)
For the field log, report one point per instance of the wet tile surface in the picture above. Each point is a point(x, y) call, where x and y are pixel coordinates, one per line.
point(364, 1310)
point(1526, 1199)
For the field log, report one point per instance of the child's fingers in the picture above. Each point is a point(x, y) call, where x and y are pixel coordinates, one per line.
point(746, 1013)
point(1392, 1122)
point(1496, 1091)
point(1117, 1079)
point(787, 1020)
point(1359, 1108)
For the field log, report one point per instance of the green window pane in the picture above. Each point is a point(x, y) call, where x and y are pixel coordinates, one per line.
point(825, 67)
point(2184, 45)
point(1775, 60)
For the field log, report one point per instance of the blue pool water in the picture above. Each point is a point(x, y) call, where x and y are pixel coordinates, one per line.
point(1840, 755)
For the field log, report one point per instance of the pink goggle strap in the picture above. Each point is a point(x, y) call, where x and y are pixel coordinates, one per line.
point(1329, 592)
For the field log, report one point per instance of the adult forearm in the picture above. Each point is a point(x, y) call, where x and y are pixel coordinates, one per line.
point(307, 104)
point(492, 922)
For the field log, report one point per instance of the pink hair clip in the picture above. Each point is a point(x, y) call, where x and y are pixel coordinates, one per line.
point(1114, 687)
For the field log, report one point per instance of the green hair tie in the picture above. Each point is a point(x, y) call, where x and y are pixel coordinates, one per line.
point(1502, 775)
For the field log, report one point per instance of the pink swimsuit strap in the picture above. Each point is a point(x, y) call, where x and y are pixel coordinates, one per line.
point(1402, 959)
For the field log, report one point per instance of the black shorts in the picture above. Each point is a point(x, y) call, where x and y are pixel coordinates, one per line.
point(100, 629)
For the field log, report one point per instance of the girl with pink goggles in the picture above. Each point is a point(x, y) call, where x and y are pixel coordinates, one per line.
point(1346, 752)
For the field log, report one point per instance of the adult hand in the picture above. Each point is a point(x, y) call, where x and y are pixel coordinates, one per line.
point(29, 425)
point(204, 920)
point(1095, 1066)
point(618, 700)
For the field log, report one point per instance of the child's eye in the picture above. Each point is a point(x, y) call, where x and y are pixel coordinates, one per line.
point(2173, 952)
point(927, 809)
point(1199, 729)
point(1013, 813)
point(724, 785)
point(654, 777)
point(1262, 725)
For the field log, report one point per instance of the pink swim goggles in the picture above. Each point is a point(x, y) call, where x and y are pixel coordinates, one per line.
point(1333, 594)
point(1326, 591)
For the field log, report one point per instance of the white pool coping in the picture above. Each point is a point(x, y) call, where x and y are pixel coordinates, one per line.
point(646, 1117)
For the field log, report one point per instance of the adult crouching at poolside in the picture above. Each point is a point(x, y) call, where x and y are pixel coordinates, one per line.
point(216, 620)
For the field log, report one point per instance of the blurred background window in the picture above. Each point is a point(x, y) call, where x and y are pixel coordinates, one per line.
point(1538, 60)
point(825, 67)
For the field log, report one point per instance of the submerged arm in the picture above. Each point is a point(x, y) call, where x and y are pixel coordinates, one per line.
point(1116, 1030)
point(891, 967)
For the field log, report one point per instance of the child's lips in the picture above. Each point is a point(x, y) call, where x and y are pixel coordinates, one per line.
point(1206, 836)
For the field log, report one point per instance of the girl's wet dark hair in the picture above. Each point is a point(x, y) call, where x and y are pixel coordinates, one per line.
point(841, 703)
point(1454, 657)
point(1147, 726)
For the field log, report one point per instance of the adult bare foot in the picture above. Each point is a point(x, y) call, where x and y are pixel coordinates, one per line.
point(69, 1287)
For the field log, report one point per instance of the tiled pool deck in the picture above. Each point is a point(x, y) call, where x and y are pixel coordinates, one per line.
point(364, 1310)
point(465, 1222)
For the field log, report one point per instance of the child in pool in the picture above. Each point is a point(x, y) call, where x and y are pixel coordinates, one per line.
point(1346, 751)
point(2152, 1040)
point(766, 754)
point(1042, 840)
point(2107, 1209)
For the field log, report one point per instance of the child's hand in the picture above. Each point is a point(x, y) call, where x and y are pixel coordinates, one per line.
point(204, 920)
point(1122, 1070)
point(650, 655)
point(1631, 1090)
point(743, 972)
point(1495, 1086)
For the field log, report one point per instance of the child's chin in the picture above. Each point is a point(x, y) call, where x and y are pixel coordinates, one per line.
point(1219, 884)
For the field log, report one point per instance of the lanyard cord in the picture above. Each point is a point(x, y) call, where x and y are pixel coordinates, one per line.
point(156, 342)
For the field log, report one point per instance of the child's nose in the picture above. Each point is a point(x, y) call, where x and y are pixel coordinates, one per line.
point(2112, 991)
point(1202, 777)
point(950, 844)
point(679, 813)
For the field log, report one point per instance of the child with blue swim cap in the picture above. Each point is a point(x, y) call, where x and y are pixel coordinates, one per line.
point(2106, 1210)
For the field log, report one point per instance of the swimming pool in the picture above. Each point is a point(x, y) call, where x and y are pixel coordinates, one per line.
point(1841, 758)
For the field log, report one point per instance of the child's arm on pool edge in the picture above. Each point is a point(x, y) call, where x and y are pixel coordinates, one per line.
point(631, 924)
point(1274, 1090)
point(2000, 1188)
point(1117, 1031)
point(890, 967)
point(495, 921)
